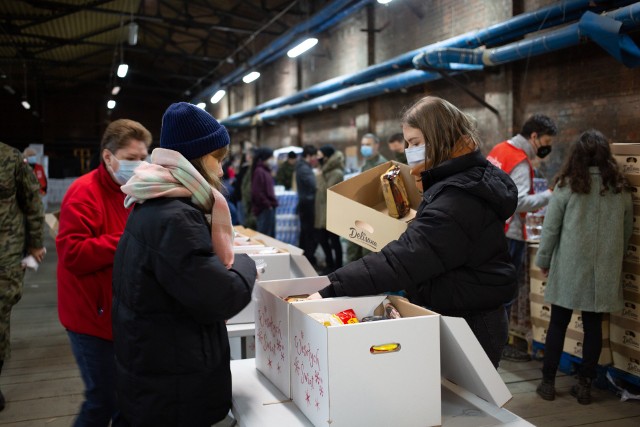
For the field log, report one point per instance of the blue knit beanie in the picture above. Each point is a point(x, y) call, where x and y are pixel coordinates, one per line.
point(191, 131)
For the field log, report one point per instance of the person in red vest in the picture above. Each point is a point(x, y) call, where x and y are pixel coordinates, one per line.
point(32, 158)
point(515, 156)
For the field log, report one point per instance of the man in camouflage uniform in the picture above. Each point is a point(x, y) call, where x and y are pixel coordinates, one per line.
point(21, 233)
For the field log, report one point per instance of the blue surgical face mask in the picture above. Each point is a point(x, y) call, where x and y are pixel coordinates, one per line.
point(415, 155)
point(366, 150)
point(125, 170)
point(32, 160)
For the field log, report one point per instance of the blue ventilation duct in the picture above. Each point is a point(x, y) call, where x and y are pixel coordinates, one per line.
point(505, 31)
point(601, 29)
point(324, 19)
point(626, 18)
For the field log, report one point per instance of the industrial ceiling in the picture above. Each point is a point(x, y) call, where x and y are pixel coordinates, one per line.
point(172, 47)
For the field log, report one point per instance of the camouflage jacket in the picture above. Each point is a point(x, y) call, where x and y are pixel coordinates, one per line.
point(21, 211)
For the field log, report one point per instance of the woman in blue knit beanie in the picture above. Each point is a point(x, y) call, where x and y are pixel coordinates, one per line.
point(176, 280)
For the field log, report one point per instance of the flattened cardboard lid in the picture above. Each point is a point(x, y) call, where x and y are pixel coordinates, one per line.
point(464, 362)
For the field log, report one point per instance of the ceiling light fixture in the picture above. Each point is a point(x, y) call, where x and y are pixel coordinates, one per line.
point(133, 33)
point(201, 105)
point(384, 1)
point(26, 104)
point(122, 70)
point(302, 47)
point(115, 90)
point(252, 76)
point(218, 96)
point(111, 104)
point(9, 89)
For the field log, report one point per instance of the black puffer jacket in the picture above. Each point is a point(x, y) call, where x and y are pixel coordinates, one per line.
point(171, 295)
point(453, 257)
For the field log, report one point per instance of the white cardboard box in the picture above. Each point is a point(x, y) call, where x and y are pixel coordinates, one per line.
point(337, 381)
point(272, 325)
point(356, 209)
point(277, 266)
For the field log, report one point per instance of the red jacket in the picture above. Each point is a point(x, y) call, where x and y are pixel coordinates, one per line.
point(92, 219)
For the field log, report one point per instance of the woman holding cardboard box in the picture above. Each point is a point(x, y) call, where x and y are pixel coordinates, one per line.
point(453, 256)
point(585, 233)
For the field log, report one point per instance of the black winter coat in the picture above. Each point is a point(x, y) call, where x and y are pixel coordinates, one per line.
point(453, 257)
point(171, 296)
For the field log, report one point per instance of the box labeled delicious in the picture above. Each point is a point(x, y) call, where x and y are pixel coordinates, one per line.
point(357, 211)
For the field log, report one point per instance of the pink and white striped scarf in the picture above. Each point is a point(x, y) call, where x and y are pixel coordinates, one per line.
point(171, 175)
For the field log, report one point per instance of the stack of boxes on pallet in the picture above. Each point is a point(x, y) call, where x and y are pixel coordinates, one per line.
point(541, 314)
point(625, 326)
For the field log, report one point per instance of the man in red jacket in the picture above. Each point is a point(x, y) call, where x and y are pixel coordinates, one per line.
point(92, 219)
point(516, 156)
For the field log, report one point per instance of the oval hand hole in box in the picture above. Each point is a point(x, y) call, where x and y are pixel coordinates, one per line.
point(364, 226)
point(391, 347)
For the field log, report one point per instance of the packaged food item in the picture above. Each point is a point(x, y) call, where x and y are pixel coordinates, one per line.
point(372, 318)
point(395, 192)
point(326, 319)
point(347, 316)
point(295, 298)
point(390, 312)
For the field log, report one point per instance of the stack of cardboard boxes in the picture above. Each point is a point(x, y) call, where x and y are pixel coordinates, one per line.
point(625, 326)
point(541, 315)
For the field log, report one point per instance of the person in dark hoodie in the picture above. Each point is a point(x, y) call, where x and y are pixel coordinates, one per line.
point(453, 257)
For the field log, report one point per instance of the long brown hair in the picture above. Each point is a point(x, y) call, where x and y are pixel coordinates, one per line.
point(442, 124)
point(591, 149)
point(211, 178)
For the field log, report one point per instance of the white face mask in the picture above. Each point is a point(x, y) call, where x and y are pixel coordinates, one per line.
point(415, 155)
point(125, 170)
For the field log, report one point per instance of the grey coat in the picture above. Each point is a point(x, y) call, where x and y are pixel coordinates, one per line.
point(584, 237)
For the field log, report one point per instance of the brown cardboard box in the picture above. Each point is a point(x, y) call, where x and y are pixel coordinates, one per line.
point(631, 308)
point(52, 221)
point(539, 329)
point(631, 279)
point(633, 250)
point(536, 286)
point(356, 209)
point(574, 342)
point(629, 163)
point(626, 332)
point(625, 148)
point(625, 358)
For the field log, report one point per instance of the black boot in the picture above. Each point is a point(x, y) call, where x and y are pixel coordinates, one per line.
point(547, 389)
point(582, 390)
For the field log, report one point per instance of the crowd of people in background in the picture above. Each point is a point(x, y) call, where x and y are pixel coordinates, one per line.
point(251, 178)
point(195, 174)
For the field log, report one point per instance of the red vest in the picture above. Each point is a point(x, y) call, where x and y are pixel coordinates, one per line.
point(506, 156)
